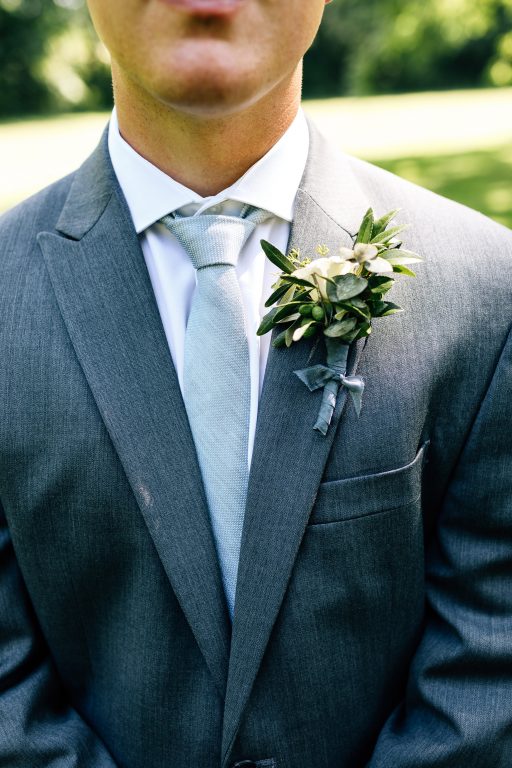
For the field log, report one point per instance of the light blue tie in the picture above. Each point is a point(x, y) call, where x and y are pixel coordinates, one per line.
point(216, 378)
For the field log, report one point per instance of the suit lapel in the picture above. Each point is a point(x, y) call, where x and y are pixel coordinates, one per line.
point(289, 456)
point(106, 299)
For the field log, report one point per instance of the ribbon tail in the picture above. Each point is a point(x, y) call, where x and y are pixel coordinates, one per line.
point(357, 399)
point(327, 407)
point(355, 386)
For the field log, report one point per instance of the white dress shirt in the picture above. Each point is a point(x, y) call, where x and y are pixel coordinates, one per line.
point(271, 184)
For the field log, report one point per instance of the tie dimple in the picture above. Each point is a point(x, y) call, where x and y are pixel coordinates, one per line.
point(216, 379)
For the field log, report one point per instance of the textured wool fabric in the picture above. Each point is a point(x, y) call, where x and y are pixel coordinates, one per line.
point(217, 384)
point(373, 615)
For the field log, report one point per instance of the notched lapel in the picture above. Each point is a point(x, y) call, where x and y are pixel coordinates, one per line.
point(107, 302)
point(289, 455)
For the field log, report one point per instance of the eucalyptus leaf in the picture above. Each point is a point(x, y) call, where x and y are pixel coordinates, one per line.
point(383, 308)
point(380, 284)
point(393, 309)
point(345, 287)
point(351, 336)
point(277, 258)
point(337, 330)
point(366, 229)
point(356, 306)
point(357, 302)
point(364, 330)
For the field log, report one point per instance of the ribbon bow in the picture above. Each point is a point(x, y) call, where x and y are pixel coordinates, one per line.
point(331, 379)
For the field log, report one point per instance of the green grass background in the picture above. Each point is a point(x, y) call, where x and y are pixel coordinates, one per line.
point(457, 144)
point(481, 179)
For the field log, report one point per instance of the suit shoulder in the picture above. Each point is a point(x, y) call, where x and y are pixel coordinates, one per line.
point(19, 228)
point(430, 213)
point(21, 224)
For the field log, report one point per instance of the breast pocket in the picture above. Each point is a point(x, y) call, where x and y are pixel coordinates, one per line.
point(355, 497)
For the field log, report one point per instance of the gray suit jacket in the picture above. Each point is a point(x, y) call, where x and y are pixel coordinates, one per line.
point(373, 620)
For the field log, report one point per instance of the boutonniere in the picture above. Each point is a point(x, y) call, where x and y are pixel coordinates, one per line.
point(335, 299)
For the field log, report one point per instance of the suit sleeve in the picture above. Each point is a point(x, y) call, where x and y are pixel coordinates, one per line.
point(37, 725)
point(457, 712)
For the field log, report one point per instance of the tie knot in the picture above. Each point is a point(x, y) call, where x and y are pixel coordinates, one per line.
point(214, 240)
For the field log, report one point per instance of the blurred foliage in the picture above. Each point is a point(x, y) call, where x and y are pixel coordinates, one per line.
point(390, 46)
point(24, 31)
point(50, 58)
point(479, 179)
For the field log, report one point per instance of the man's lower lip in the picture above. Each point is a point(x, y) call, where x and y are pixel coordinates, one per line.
point(207, 7)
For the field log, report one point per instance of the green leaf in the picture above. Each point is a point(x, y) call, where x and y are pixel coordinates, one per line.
point(380, 284)
point(299, 281)
point(366, 229)
point(277, 258)
point(364, 330)
point(381, 224)
point(383, 308)
point(277, 294)
point(337, 330)
point(275, 316)
point(356, 306)
point(289, 318)
point(400, 256)
point(348, 338)
point(280, 340)
point(345, 287)
point(303, 296)
point(385, 237)
point(378, 265)
point(289, 295)
point(401, 270)
point(299, 332)
point(288, 335)
point(357, 302)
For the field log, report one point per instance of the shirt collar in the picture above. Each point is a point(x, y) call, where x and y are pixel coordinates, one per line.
point(271, 183)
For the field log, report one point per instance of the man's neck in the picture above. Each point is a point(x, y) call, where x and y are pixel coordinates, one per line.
point(206, 154)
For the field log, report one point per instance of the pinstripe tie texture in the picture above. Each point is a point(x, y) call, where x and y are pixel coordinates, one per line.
point(216, 379)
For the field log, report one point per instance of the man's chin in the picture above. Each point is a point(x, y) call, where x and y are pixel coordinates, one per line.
point(211, 99)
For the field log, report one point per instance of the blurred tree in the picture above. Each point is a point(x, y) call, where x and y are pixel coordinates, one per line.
point(51, 59)
point(76, 66)
point(24, 31)
point(384, 46)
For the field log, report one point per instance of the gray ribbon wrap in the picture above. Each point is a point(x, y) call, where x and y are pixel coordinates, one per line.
point(330, 378)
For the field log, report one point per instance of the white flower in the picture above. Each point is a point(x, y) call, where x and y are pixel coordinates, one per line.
point(320, 269)
point(366, 254)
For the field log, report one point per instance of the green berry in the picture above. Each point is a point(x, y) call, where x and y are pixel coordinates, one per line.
point(305, 310)
point(318, 312)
